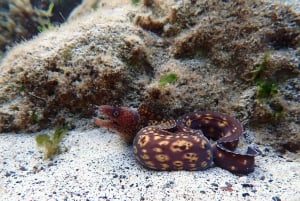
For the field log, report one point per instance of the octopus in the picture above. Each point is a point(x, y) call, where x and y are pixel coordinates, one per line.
point(180, 144)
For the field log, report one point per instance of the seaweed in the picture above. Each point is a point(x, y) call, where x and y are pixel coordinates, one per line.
point(261, 66)
point(23, 19)
point(166, 79)
point(46, 24)
point(34, 117)
point(51, 143)
point(135, 2)
point(266, 89)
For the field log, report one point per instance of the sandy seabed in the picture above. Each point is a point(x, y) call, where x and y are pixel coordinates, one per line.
point(99, 166)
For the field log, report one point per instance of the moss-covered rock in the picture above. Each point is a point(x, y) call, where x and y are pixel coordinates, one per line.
point(23, 19)
point(118, 53)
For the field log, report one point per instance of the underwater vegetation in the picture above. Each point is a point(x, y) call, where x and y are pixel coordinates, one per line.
point(51, 143)
point(22, 19)
point(266, 88)
point(47, 24)
point(261, 66)
point(168, 78)
point(134, 2)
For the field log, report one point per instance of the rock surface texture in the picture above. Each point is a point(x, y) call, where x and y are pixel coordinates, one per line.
point(241, 58)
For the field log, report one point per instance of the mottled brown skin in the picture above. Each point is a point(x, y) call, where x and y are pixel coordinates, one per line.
point(163, 150)
point(122, 119)
point(226, 131)
point(181, 145)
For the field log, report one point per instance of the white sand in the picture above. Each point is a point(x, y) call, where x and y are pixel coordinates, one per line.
point(99, 166)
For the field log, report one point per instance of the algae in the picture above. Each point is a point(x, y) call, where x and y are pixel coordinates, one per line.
point(135, 2)
point(51, 143)
point(166, 79)
point(46, 24)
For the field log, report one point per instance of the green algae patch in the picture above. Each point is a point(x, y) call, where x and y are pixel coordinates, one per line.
point(266, 89)
point(135, 2)
point(261, 66)
point(166, 79)
point(51, 143)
